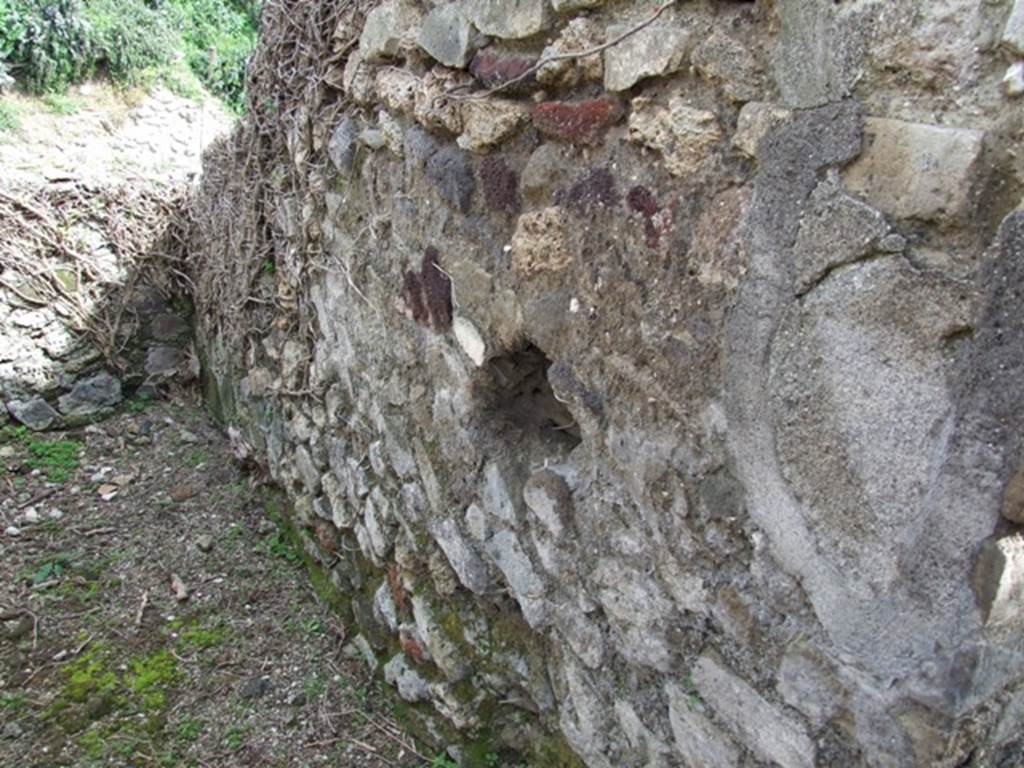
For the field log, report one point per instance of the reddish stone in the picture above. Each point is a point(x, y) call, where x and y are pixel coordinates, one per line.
point(643, 202)
point(397, 590)
point(492, 69)
point(501, 185)
point(411, 646)
point(427, 294)
point(593, 191)
point(580, 122)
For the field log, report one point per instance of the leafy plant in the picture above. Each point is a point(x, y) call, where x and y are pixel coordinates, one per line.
point(56, 458)
point(60, 104)
point(51, 569)
point(219, 37)
point(235, 737)
point(131, 40)
point(46, 42)
point(151, 676)
point(10, 120)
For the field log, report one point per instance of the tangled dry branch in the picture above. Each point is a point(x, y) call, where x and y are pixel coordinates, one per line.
point(254, 232)
point(75, 247)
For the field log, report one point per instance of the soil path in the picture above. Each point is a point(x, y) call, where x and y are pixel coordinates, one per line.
point(152, 614)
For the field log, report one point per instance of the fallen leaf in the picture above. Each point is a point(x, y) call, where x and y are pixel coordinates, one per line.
point(107, 491)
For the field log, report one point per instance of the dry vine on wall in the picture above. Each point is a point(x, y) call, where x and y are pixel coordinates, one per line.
point(78, 249)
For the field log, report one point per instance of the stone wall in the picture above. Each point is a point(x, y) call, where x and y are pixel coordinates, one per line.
point(663, 399)
point(91, 310)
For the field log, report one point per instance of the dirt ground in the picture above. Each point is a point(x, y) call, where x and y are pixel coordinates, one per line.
point(152, 614)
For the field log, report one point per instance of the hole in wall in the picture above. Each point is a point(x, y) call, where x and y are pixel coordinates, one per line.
point(518, 406)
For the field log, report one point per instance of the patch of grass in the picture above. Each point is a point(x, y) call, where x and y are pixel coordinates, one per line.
point(151, 676)
point(315, 687)
point(50, 569)
point(234, 739)
point(90, 675)
point(13, 704)
point(139, 403)
point(56, 458)
point(197, 457)
point(190, 729)
point(61, 104)
point(10, 118)
point(201, 638)
point(281, 547)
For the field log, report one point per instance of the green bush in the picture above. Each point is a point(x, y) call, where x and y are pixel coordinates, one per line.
point(50, 44)
point(130, 39)
point(46, 42)
point(219, 37)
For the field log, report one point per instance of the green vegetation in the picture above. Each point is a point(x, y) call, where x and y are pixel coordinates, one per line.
point(139, 403)
point(197, 457)
point(57, 459)
point(50, 44)
point(10, 120)
point(150, 677)
point(202, 638)
point(61, 104)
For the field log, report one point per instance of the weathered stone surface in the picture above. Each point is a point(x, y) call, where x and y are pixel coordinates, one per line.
point(448, 35)
point(411, 686)
point(162, 362)
point(658, 49)
point(509, 19)
point(817, 61)
point(390, 28)
point(684, 135)
point(756, 120)
point(342, 147)
point(168, 327)
point(1013, 80)
point(547, 495)
point(567, 6)
point(1013, 32)
point(1013, 497)
point(528, 587)
point(916, 171)
point(470, 340)
point(540, 242)
point(698, 741)
point(582, 122)
point(723, 59)
point(487, 124)
point(35, 413)
point(860, 318)
point(836, 230)
point(665, 398)
point(772, 735)
point(451, 171)
point(580, 34)
point(496, 68)
point(998, 580)
point(91, 395)
point(807, 684)
point(548, 168)
point(467, 564)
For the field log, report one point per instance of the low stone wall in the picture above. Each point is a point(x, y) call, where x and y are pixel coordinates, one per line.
point(664, 397)
point(91, 310)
